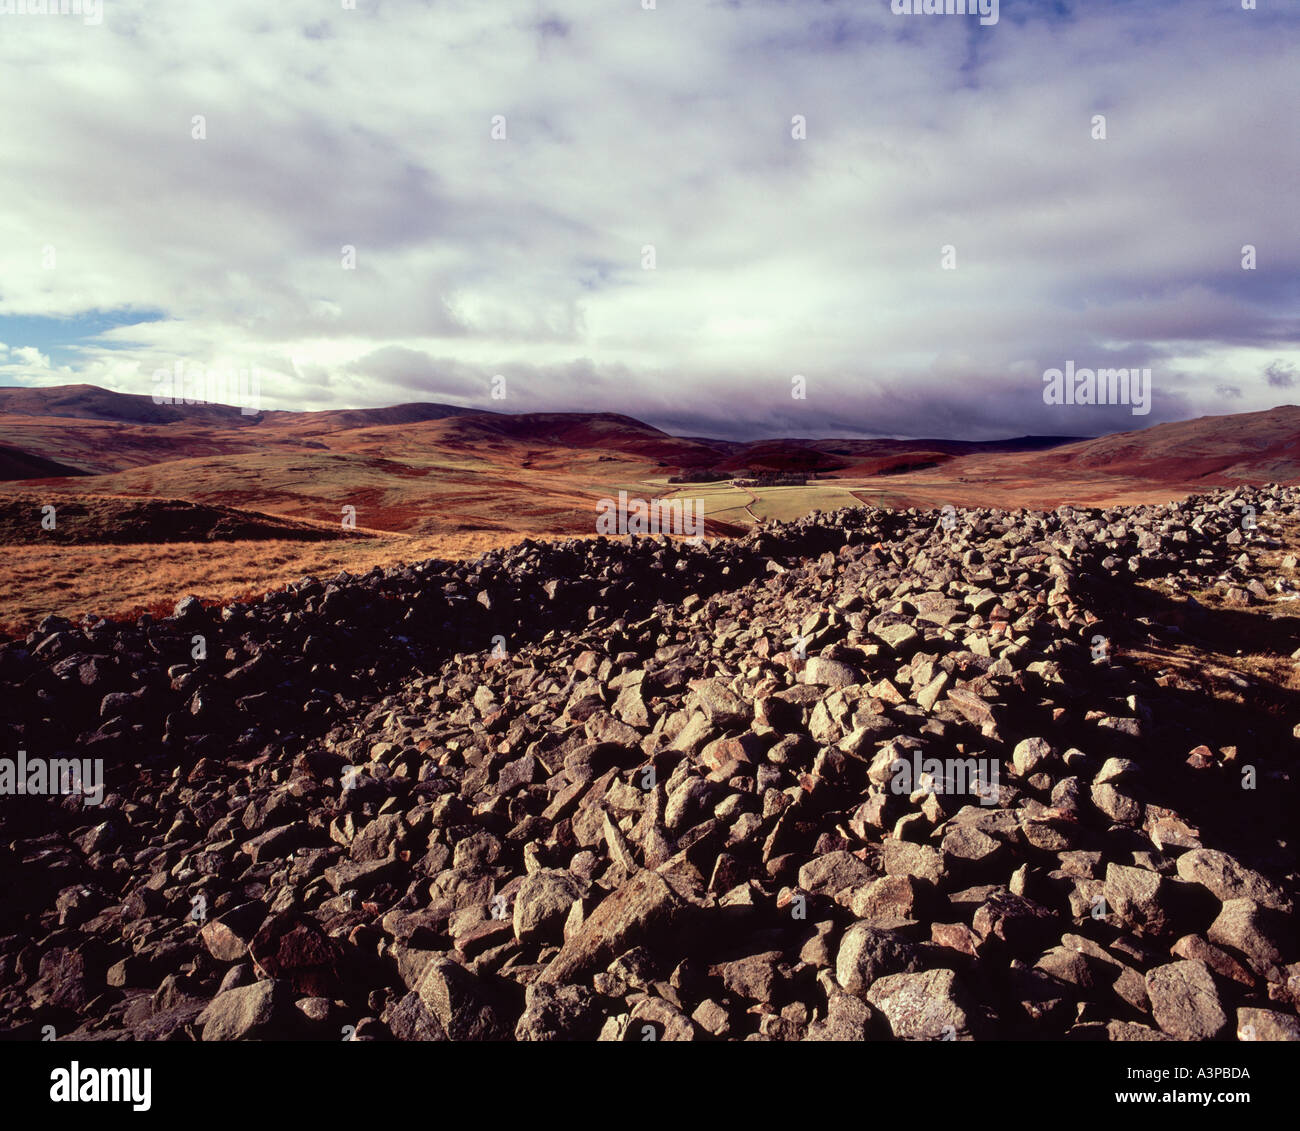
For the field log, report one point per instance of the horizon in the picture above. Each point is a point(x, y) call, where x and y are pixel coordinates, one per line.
point(1058, 439)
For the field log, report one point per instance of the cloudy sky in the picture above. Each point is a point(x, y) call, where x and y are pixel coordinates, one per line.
point(128, 243)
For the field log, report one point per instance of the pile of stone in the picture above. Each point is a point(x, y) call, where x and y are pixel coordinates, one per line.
point(869, 775)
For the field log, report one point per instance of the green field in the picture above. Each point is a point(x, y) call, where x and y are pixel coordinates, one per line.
point(729, 504)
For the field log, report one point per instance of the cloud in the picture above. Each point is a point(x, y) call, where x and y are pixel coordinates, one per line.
point(1280, 374)
point(670, 128)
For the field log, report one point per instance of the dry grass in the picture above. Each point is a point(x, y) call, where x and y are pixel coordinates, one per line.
point(125, 581)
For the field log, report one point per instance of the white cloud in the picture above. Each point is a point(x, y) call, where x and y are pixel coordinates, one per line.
point(370, 128)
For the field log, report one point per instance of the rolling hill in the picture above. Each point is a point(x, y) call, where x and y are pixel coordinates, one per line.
point(427, 479)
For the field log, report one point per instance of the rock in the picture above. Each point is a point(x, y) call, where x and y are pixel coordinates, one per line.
point(461, 1004)
point(228, 935)
point(903, 858)
point(379, 839)
point(754, 977)
point(1030, 754)
point(925, 1006)
point(1254, 931)
point(1117, 806)
point(848, 1018)
point(972, 706)
point(542, 904)
point(644, 911)
point(890, 897)
point(559, 1013)
point(653, 1019)
point(1185, 1001)
point(409, 1020)
point(829, 673)
point(647, 817)
point(689, 802)
point(971, 852)
point(1020, 923)
point(1266, 1025)
point(712, 1018)
point(867, 953)
point(256, 1012)
point(1220, 961)
point(929, 694)
point(1227, 879)
point(1138, 897)
point(315, 1009)
point(61, 981)
point(631, 707)
point(833, 873)
point(294, 948)
point(1132, 1031)
point(722, 706)
point(900, 638)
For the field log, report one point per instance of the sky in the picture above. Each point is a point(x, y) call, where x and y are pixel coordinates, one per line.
point(683, 207)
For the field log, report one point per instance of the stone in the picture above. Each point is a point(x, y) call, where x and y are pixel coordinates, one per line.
point(542, 904)
point(754, 977)
point(558, 1013)
point(646, 910)
point(924, 1006)
point(1185, 1001)
point(848, 1018)
point(1254, 931)
point(1227, 879)
point(868, 952)
point(904, 858)
point(833, 873)
point(228, 935)
point(247, 1013)
point(1030, 754)
point(1254, 1024)
point(829, 673)
point(294, 947)
point(1139, 897)
point(461, 1004)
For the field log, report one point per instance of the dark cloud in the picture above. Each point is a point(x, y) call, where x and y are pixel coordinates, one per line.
point(1280, 374)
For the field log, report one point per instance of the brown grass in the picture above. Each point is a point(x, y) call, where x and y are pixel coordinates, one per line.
point(125, 581)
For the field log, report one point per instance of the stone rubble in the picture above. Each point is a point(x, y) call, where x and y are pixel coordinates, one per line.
point(641, 789)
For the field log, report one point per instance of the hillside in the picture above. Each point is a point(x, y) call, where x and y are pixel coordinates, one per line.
point(432, 478)
point(1252, 447)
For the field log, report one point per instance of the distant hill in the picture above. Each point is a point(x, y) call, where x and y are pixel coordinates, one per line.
point(90, 402)
point(586, 432)
point(1258, 447)
point(345, 418)
point(430, 469)
point(18, 464)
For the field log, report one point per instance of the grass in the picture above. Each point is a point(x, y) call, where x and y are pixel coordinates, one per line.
point(125, 581)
